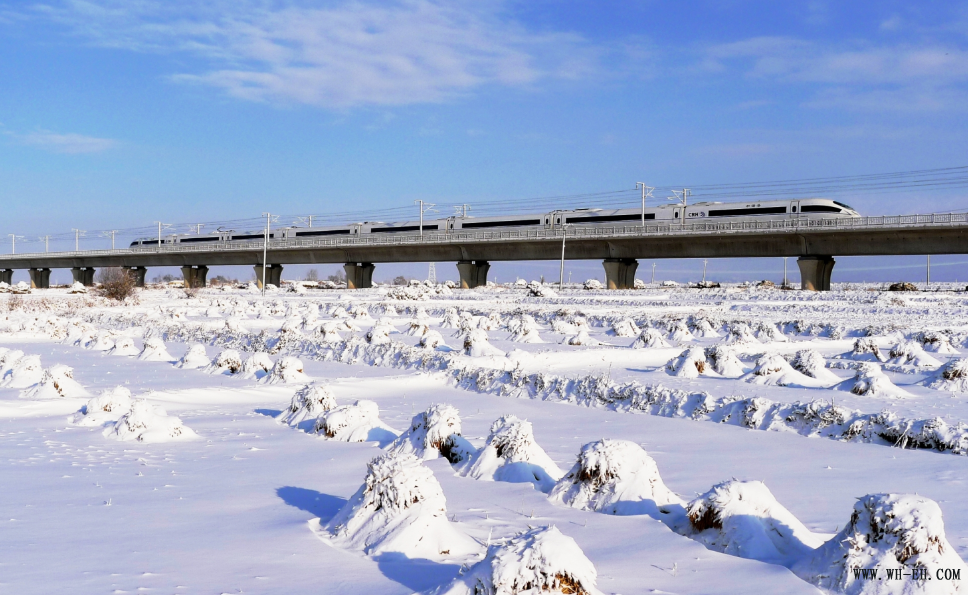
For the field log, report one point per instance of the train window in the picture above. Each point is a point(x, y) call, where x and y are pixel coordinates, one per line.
point(250, 236)
point(793, 209)
point(848, 207)
point(323, 232)
point(677, 214)
point(478, 224)
point(203, 239)
point(558, 220)
point(603, 218)
point(753, 211)
point(819, 209)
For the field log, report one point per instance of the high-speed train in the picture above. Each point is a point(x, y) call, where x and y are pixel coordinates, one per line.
point(701, 211)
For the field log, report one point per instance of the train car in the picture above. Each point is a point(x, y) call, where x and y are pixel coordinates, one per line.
point(804, 208)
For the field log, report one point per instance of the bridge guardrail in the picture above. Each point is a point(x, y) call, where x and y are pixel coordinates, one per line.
point(573, 233)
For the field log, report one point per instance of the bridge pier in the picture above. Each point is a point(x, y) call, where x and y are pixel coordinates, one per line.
point(359, 275)
point(83, 275)
point(40, 278)
point(620, 273)
point(194, 276)
point(6, 276)
point(815, 272)
point(138, 274)
point(473, 274)
point(273, 274)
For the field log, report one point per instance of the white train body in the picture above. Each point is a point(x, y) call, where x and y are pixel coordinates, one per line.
point(805, 208)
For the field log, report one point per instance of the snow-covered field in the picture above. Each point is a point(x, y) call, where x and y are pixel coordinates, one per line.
point(492, 441)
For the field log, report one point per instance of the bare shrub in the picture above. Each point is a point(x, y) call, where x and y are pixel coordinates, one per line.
point(115, 283)
point(15, 302)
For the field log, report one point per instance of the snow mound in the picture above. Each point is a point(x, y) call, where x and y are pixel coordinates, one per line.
point(524, 329)
point(359, 422)
point(476, 344)
point(194, 358)
point(740, 334)
point(724, 361)
point(538, 561)
point(773, 370)
point(124, 346)
point(26, 371)
point(418, 326)
point(910, 353)
point(328, 332)
point(511, 454)
point(679, 332)
point(258, 365)
point(286, 371)
point(107, 406)
point(229, 361)
point(399, 508)
point(865, 350)
point(432, 340)
point(433, 433)
point(701, 327)
point(309, 402)
point(742, 518)
point(649, 338)
point(8, 359)
point(155, 351)
point(870, 381)
point(592, 284)
point(536, 289)
point(103, 342)
point(810, 363)
point(614, 477)
point(936, 342)
point(952, 377)
point(689, 364)
point(451, 319)
point(57, 381)
point(583, 338)
point(147, 423)
point(767, 332)
point(625, 328)
point(899, 533)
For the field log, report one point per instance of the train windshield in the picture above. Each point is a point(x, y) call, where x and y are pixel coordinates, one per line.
point(840, 204)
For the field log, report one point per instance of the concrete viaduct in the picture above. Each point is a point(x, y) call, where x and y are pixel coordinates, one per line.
point(814, 242)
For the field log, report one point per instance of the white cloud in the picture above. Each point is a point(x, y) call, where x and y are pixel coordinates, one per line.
point(72, 144)
point(345, 55)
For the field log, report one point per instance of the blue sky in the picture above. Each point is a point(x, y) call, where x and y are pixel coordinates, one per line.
point(116, 113)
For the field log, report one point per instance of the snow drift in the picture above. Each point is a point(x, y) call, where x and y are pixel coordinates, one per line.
point(359, 422)
point(147, 423)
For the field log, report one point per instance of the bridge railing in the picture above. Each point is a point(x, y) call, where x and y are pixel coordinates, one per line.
point(702, 227)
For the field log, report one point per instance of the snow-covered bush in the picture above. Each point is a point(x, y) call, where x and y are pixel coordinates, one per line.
point(583, 338)
point(107, 406)
point(194, 358)
point(679, 332)
point(649, 338)
point(379, 333)
point(536, 289)
point(810, 363)
point(286, 370)
point(8, 358)
point(614, 477)
point(936, 342)
point(124, 346)
point(773, 370)
point(689, 364)
point(870, 381)
point(451, 319)
point(433, 433)
point(524, 329)
point(511, 454)
point(701, 327)
point(309, 402)
point(740, 334)
point(476, 344)
point(104, 341)
point(432, 340)
point(625, 328)
point(724, 361)
point(767, 332)
point(887, 533)
point(359, 422)
point(865, 350)
point(910, 353)
point(399, 508)
point(592, 284)
point(359, 311)
point(229, 361)
point(147, 423)
point(952, 377)
point(56, 381)
point(258, 365)
point(743, 518)
point(540, 560)
point(155, 351)
point(328, 333)
point(24, 372)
